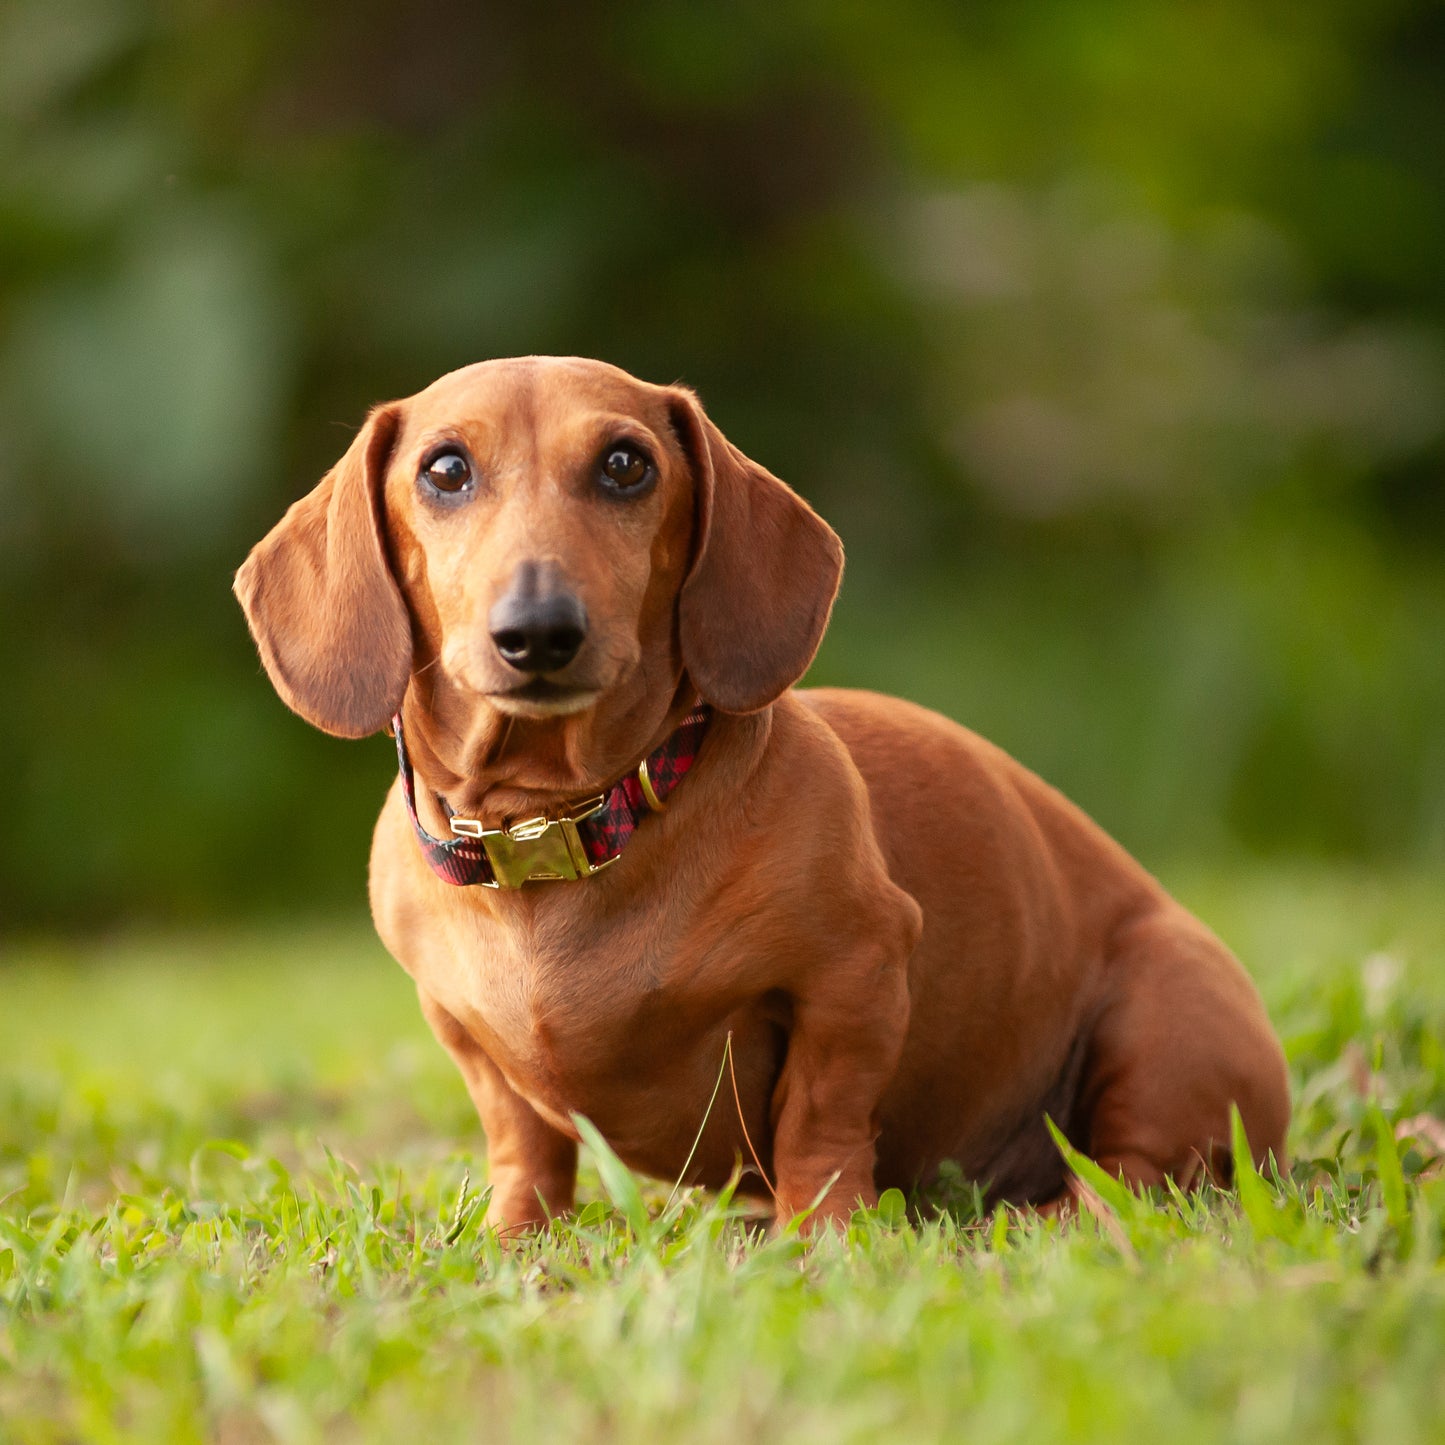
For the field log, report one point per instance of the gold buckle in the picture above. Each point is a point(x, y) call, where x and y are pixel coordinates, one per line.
point(537, 850)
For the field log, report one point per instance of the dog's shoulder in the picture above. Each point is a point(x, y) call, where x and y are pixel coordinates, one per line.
point(890, 734)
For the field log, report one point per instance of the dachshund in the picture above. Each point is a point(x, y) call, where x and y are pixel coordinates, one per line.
point(624, 852)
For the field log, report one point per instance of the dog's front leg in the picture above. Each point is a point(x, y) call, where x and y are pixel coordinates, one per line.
point(532, 1166)
point(843, 1047)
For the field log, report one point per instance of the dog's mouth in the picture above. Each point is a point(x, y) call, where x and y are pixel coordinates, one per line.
point(540, 698)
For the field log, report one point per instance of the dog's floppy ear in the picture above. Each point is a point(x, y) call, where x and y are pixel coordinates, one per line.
point(320, 599)
point(765, 571)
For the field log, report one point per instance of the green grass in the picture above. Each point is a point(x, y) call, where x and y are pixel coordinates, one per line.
point(240, 1200)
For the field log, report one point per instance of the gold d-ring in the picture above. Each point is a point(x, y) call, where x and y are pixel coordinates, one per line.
point(644, 780)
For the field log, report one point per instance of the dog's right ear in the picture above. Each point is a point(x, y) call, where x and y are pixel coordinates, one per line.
point(321, 601)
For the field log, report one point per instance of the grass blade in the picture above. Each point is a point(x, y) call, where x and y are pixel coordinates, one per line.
point(617, 1180)
point(1387, 1165)
point(1112, 1192)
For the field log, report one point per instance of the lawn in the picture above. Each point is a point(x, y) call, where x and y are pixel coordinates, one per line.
point(241, 1194)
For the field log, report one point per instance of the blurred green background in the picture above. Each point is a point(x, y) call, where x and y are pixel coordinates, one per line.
point(1109, 334)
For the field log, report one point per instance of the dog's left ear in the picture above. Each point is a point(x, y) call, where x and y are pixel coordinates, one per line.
point(765, 571)
point(328, 618)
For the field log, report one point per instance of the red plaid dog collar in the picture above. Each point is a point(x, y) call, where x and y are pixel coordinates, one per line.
point(590, 837)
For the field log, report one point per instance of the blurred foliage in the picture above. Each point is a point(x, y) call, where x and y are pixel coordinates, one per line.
point(1110, 334)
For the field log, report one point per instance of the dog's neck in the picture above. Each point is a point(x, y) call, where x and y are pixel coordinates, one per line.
point(497, 768)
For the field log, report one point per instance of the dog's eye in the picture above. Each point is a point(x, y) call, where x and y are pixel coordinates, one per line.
point(448, 471)
point(625, 469)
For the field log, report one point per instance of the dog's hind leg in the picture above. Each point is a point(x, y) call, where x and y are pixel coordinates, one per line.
point(1183, 1037)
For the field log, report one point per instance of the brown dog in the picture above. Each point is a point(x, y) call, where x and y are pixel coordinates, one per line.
point(918, 948)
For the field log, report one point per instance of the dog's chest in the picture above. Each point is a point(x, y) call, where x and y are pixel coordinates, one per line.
point(566, 1013)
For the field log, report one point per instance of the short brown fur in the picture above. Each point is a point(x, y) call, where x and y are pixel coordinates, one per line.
point(917, 947)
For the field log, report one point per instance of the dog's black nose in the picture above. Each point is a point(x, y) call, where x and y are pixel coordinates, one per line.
point(538, 624)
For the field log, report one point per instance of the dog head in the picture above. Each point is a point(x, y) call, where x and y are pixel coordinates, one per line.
point(541, 539)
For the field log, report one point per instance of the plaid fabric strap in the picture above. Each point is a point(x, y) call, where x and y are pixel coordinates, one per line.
point(463, 861)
